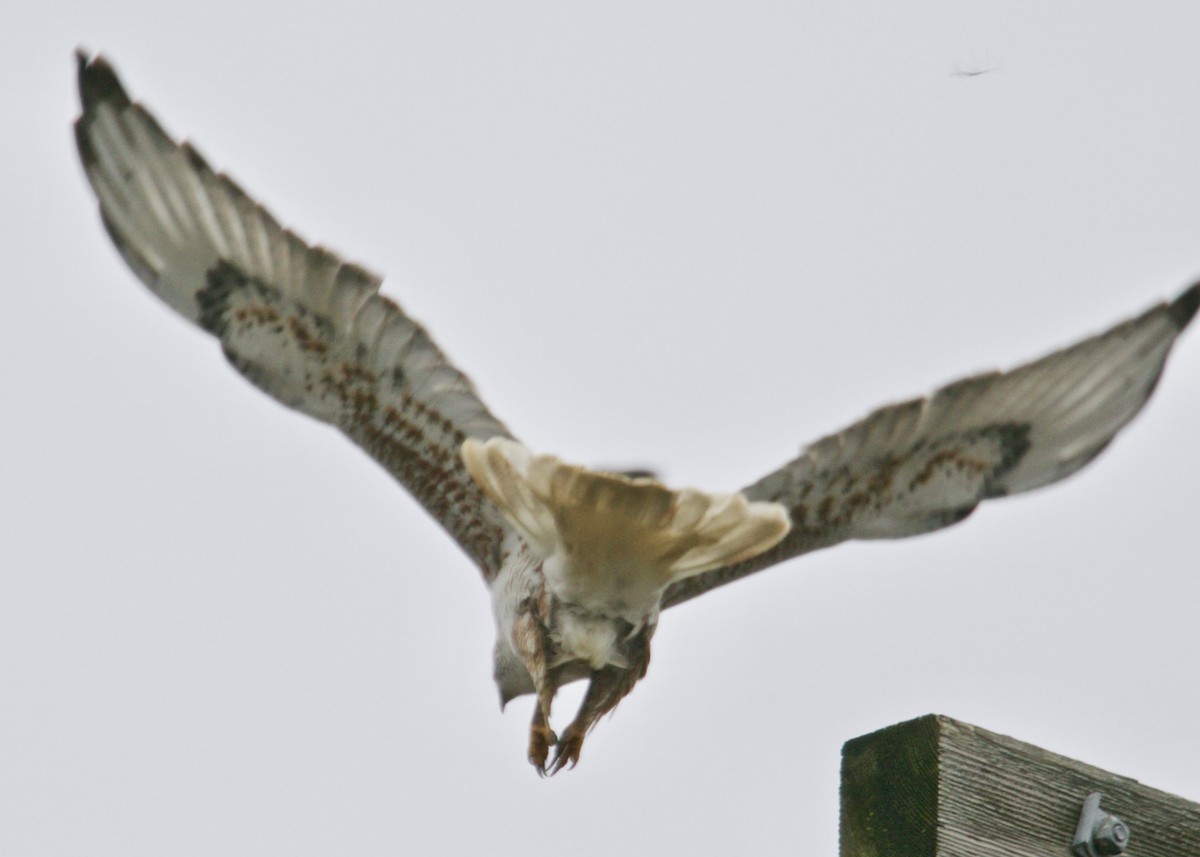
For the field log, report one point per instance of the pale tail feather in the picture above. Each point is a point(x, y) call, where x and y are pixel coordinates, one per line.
point(606, 521)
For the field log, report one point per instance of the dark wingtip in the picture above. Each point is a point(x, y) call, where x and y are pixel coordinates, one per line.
point(98, 82)
point(1183, 308)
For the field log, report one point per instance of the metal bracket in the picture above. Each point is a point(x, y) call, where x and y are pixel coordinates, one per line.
point(1099, 834)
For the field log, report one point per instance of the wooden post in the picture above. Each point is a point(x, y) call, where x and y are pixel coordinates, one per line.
point(935, 787)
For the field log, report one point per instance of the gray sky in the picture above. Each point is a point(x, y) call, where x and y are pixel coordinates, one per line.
point(689, 235)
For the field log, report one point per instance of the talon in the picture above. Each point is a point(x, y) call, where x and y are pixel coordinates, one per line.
point(566, 753)
point(541, 739)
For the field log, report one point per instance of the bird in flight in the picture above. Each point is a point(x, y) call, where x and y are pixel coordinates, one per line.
point(579, 562)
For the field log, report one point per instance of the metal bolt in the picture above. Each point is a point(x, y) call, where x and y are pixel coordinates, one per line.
point(1099, 834)
point(1110, 836)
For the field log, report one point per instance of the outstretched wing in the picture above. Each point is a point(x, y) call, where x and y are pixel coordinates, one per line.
point(926, 464)
point(299, 322)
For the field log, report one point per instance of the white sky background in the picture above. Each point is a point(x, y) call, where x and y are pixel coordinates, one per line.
point(688, 235)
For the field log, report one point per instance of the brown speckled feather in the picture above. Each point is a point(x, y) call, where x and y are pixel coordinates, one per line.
point(299, 322)
point(925, 464)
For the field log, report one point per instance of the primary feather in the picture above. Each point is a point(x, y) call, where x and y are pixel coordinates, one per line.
point(924, 464)
point(296, 320)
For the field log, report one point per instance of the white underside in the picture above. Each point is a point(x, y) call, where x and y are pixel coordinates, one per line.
point(591, 639)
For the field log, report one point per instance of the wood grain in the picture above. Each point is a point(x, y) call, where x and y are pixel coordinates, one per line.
point(934, 786)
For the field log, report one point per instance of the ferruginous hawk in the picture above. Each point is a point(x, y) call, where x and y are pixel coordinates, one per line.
point(579, 562)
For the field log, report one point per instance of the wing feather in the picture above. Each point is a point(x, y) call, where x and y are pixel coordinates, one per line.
point(300, 323)
point(925, 464)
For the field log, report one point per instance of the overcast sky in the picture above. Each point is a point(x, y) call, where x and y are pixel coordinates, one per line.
point(692, 236)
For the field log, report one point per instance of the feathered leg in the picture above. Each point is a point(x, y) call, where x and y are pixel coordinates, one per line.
point(608, 686)
point(529, 639)
point(541, 736)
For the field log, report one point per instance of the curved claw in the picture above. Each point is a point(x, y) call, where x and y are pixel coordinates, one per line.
point(541, 739)
point(566, 752)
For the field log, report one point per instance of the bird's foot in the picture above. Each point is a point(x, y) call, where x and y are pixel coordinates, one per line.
point(566, 751)
point(541, 739)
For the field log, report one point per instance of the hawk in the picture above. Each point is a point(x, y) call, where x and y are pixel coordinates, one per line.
point(579, 562)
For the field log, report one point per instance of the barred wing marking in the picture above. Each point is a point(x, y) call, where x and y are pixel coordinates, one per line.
point(925, 464)
point(297, 321)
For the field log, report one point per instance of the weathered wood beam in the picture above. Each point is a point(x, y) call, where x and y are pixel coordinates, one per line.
point(935, 787)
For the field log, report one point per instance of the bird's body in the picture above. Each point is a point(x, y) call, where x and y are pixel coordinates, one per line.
point(597, 551)
point(579, 563)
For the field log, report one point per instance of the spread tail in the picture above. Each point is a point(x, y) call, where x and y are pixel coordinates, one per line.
point(607, 525)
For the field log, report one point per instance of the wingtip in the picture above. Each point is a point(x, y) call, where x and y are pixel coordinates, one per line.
point(1183, 309)
point(98, 82)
